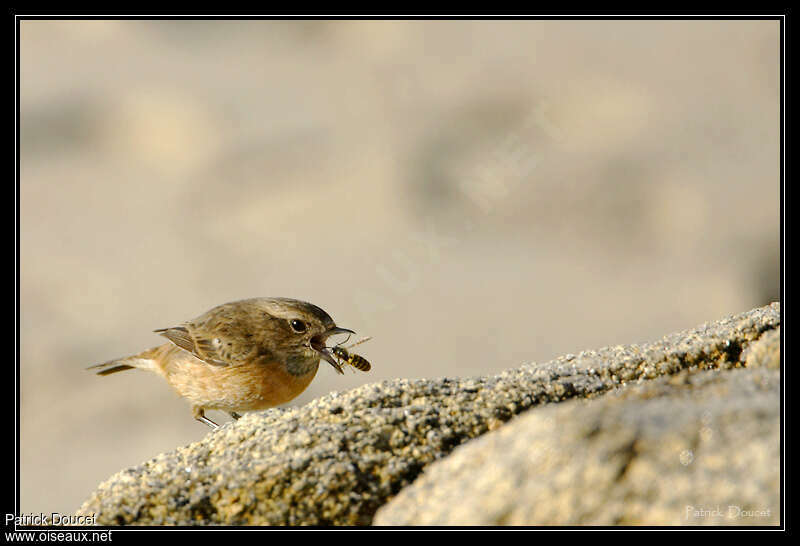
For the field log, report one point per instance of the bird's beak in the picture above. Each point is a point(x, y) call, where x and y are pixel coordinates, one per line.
point(318, 344)
point(335, 330)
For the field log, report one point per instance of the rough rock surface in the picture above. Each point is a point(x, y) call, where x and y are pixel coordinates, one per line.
point(694, 448)
point(341, 457)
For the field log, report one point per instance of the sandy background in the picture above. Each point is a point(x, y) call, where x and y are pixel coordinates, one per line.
point(472, 194)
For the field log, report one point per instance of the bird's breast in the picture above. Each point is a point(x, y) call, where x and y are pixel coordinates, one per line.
point(244, 387)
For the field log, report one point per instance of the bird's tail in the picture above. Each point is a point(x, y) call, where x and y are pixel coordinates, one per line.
point(112, 366)
point(121, 364)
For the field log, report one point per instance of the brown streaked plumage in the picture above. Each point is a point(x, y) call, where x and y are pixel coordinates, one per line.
point(240, 356)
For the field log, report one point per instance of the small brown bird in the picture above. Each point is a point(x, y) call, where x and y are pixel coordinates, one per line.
point(240, 356)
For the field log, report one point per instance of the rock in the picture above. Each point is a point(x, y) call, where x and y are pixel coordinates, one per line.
point(766, 352)
point(338, 459)
point(695, 448)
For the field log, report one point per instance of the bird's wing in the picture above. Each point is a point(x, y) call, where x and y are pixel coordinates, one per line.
point(215, 348)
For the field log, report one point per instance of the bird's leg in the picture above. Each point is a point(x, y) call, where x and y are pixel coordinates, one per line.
point(234, 415)
point(198, 414)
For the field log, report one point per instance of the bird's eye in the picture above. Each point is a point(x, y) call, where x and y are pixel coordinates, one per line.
point(298, 325)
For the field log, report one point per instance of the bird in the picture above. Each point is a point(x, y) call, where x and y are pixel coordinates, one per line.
point(240, 356)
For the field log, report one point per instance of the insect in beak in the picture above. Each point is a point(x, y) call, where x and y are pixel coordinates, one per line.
point(318, 344)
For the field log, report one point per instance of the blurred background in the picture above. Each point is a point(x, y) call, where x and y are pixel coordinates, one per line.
point(472, 194)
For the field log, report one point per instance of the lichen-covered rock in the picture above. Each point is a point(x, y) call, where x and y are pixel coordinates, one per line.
point(339, 458)
point(695, 448)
